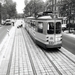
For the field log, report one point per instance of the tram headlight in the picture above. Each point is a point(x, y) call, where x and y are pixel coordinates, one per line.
point(47, 40)
point(46, 37)
point(60, 39)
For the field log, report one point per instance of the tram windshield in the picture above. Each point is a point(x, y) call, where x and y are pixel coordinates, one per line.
point(58, 27)
point(50, 29)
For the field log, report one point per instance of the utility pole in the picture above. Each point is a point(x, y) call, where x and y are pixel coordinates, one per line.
point(54, 7)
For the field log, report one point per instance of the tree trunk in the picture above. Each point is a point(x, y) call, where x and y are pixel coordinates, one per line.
point(0, 13)
point(69, 25)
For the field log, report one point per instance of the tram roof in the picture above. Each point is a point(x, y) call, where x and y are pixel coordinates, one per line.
point(47, 19)
point(31, 17)
point(44, 19)
point(50, 20)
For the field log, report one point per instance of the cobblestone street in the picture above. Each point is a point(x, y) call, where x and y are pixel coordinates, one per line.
point(23, 57)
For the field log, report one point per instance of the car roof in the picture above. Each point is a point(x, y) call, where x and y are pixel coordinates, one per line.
point(8, 19)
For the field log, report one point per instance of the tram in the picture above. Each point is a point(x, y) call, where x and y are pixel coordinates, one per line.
point(45, 30)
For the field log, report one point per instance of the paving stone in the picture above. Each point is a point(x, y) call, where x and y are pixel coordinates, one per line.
point(26, 55)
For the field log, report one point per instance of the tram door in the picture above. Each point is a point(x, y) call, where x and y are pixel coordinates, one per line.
point(57, 32)
point(50, 32)
point(54, 32)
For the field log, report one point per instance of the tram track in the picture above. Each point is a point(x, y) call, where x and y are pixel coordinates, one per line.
point(52, 63)
point(61, 65)
point(42, 56)
point(31, 61)
point(60, 61)
point(42, 65)
point(55, 58)
point(20, 60)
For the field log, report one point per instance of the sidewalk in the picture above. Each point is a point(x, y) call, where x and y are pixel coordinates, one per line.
point(5, 49)
point(20, 56)
point(14, 56)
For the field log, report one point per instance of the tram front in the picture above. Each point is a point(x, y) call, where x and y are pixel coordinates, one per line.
point(54, 34)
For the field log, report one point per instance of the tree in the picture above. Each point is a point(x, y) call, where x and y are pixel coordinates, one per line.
point(8, 9)
point(68, 10)
point(11, 10)
point(49, 5)
point(33, 7)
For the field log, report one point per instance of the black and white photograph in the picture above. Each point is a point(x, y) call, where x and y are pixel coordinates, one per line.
point(37, 37)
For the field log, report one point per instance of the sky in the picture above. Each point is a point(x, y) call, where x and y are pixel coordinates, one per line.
point(20, 5)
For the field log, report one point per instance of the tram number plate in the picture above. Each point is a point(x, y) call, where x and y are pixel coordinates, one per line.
point(51, 43)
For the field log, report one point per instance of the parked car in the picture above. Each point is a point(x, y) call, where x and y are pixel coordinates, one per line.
point(8, 22)
point(64, 27)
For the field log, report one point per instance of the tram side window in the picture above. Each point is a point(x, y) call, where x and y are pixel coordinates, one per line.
point(58, 28)
point(40, 27)
point(50, 29)
point(33, 25)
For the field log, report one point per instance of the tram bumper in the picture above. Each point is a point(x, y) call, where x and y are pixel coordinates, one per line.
point(53, 46)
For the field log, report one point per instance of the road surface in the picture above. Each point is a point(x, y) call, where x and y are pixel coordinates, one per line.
point(3, 31)
point(69, 43)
